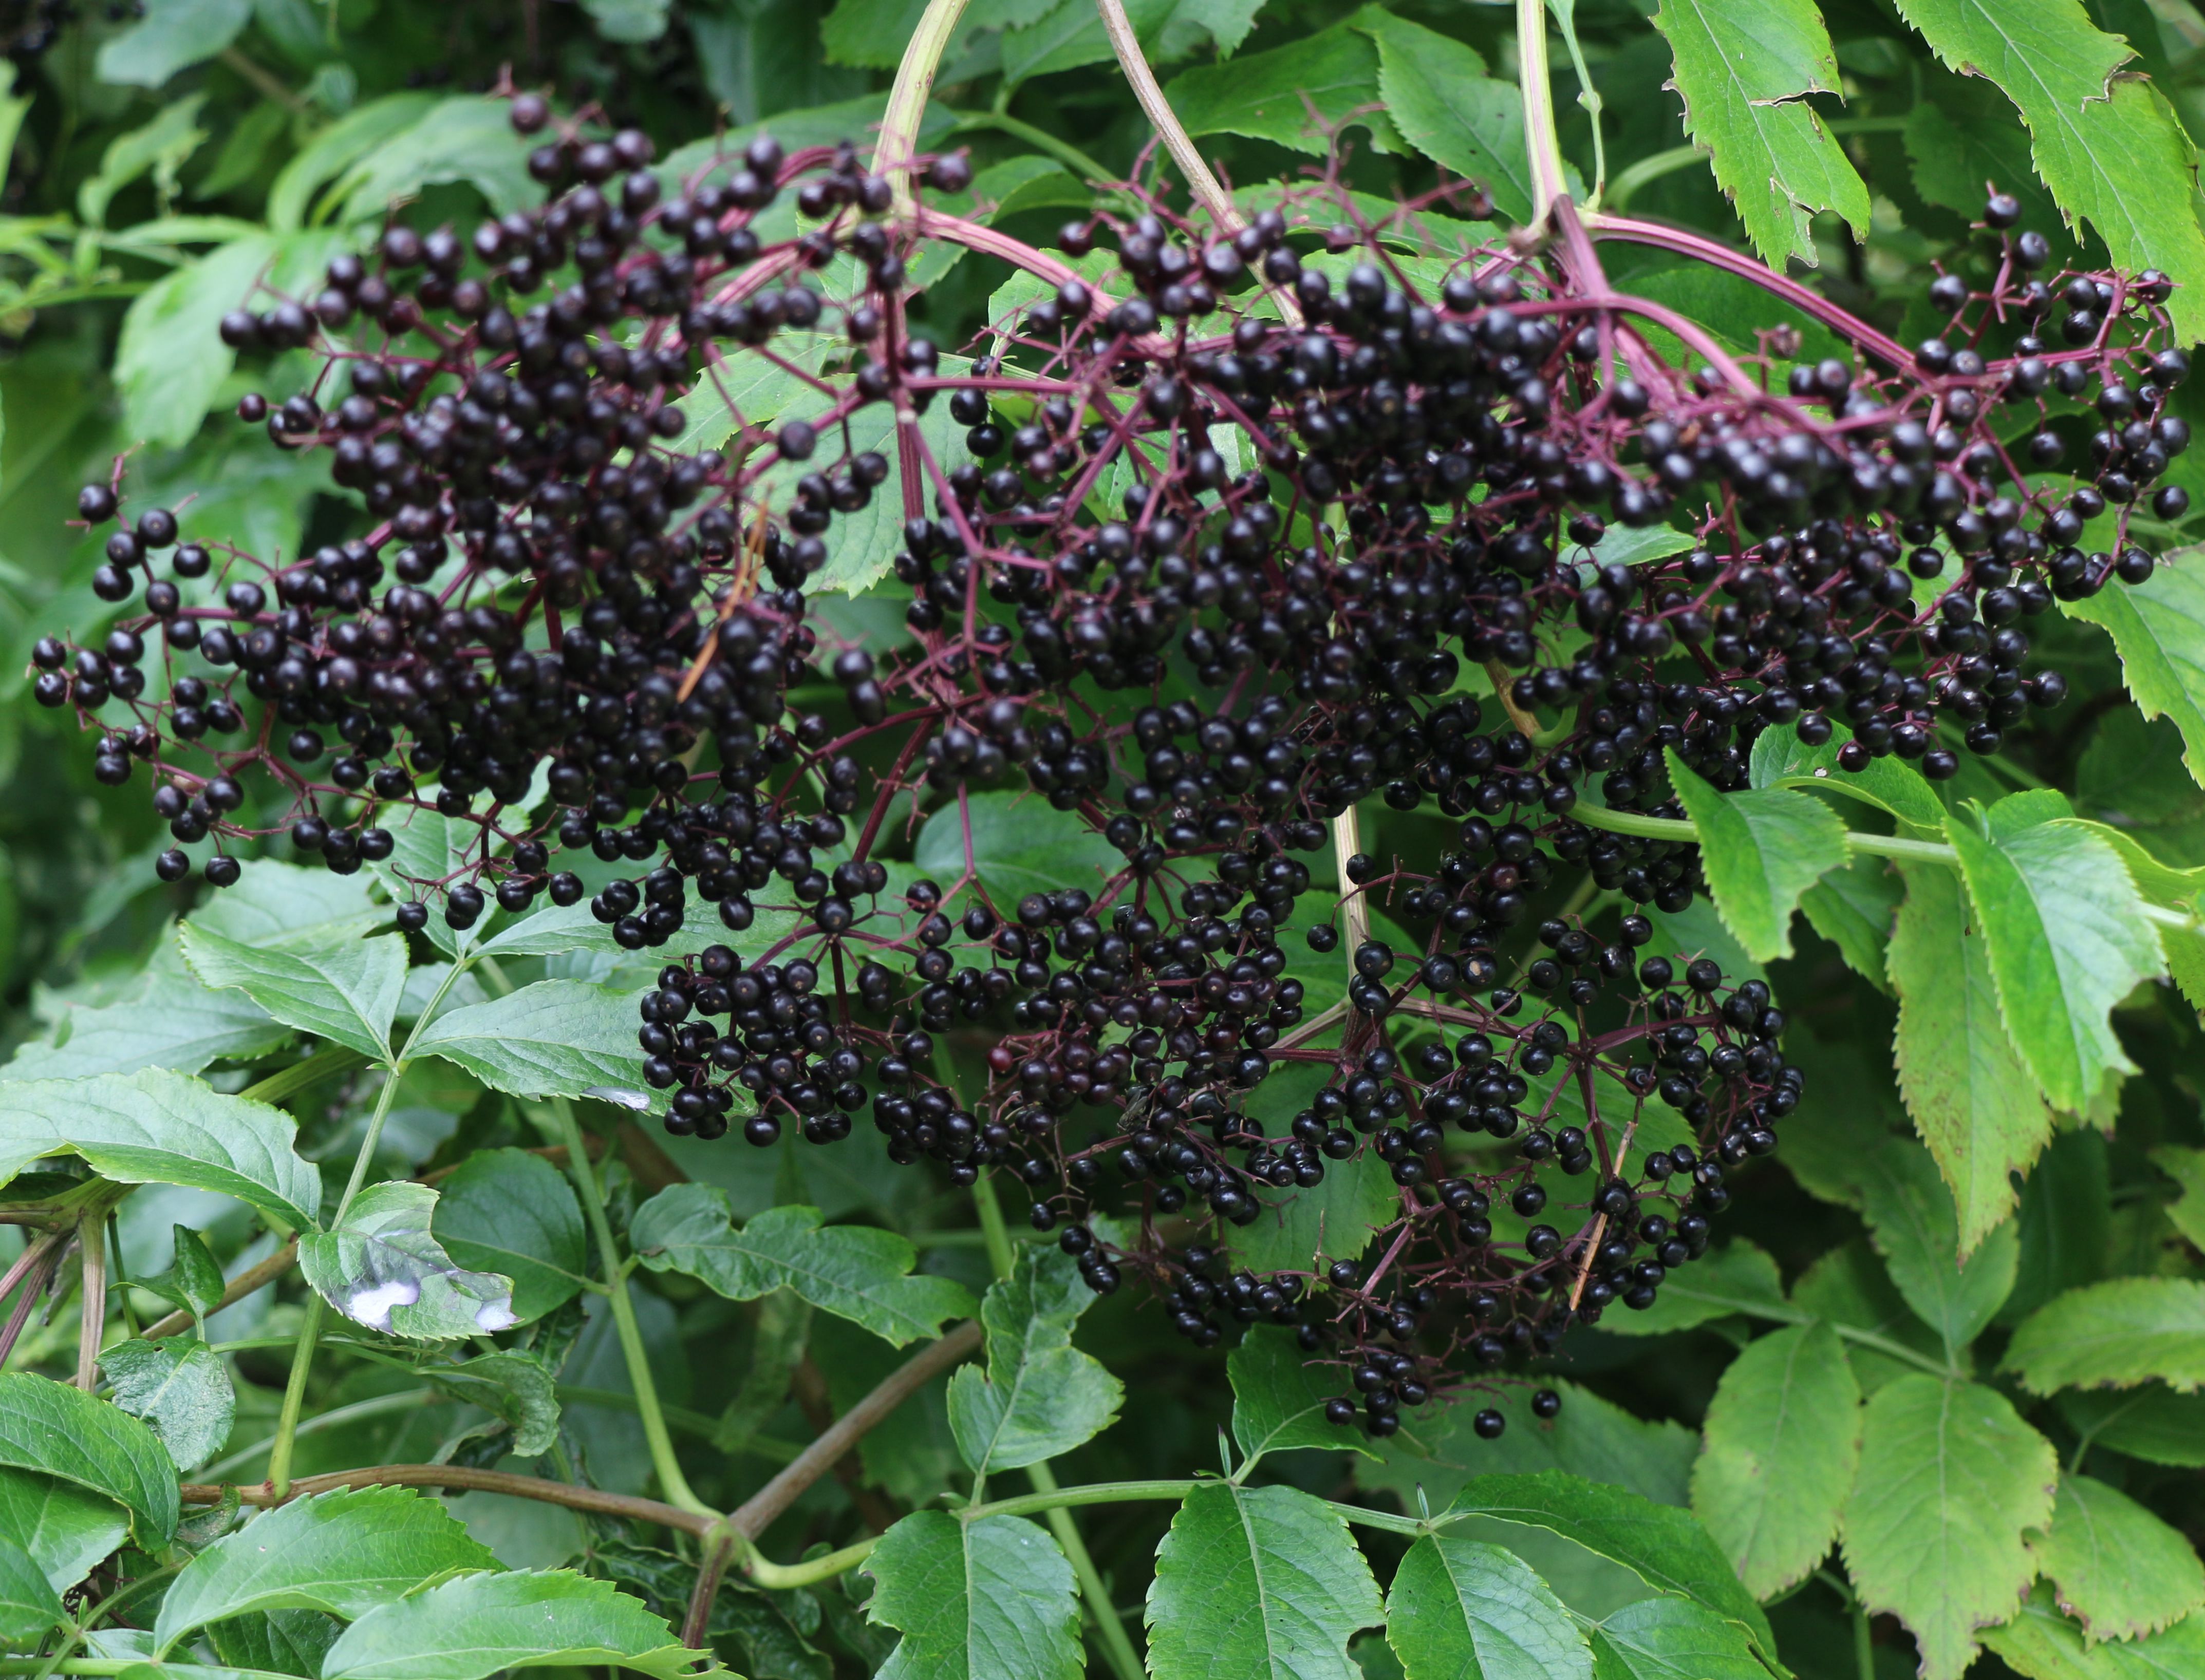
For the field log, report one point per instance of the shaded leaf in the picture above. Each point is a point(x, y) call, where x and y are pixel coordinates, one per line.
point(1257, 1580)
point(515, 1387)
point(1039, 1395)
point(1950, 1478)
point(1735, 1278)
point(1781, 759)
point(380, 1266)
point(165, 1019)
point(1278, 1398)
point(29, 1607)
point(1270, 96)
point(855, 1271)
point(179, 1387)
point(2114, 1567)
point(2159, 628)
point(58, 1429)
point(2151, 1422)
point(2114, 1335)
point(1461, 1610)
point(1672, 1639)
point(280, 1641)
point(513, 1213)
point(341, 1552)
point(1437, 93)
point(1914, 1228)
point(986, 1601)
point(1439, 1450)
point(66, 1527)
point(1855, 908)
point(2043, 1645)
point(1783, 1434)
point(1760, 850)
point(472, 1627)
point(160, 1128)
point(461, 140)
point(1021, 844)
point(170, 36)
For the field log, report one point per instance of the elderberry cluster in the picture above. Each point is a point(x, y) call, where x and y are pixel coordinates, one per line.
point(1219, 534)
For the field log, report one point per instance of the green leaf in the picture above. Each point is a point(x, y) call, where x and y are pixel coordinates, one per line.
point(29, 1607)
point(459, 139)
point(986, 1601)
point(171, 35)
point(1975, 1104)
point(555, 1038)
point(53, 1428)
point(343, 1553)
point(1743, 71)
point(336, 149)
point(1261, 96)
point(1021, 844)
point(2043, 1645)
point(1952, 156)
point(347, 992)
point(165, 1018)
point(162, 1129)
point(2159, 628)
point(2066, 1224)
point(1781, 759)
point(1761, 849)
point(2182, 948)
point(1660, 1544)
point(2113, 155)
point(1040, 1395)
point(2152, 1423)
point(1333, 1218)
point(1439, 1450)
point(2116, 1568)
point(855, 1271)
point(628, 19)
point(279, 1642)
point(1950, 1477)
point(1437, 93)
point(2114, 1335)
point(2068, 940)
point(67, 1528)
point(1912, 1220)
point(1848, 1285)
point(1737, 1278)
point(1672, 1639)
point(1854, 908)
point(471, 1628)
point(510, 1212)
point(516, 1387)
point(1782, 1434)
point(1257, 1580)
point(1462, 1610)
point(380, 1266)
point(193, 1280)
point(170, 361)
point(289, 908)
point(178, 1386)
point(1278, 1398)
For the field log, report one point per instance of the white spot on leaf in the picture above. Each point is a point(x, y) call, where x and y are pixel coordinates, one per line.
point(373, 1307)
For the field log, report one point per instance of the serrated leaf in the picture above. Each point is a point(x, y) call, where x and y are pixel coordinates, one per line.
point(160, 1128)
point(1437, 93)
point(1278, 1398)
point(555, 1038)
point(2157, 627)
point(1333, 1218)
point(1268, 96)
point(2187, 1168)
point(278, 1642)
point(50, 1426)
point(471, 1628)
point(1735, 1278)
point(180, 1388)
point(2067, 938)
point(1021, 844)
point(194, 1277)
point(855, 1271)
point(2115, 1567)
point(1976, 1106)
point(1760, 850)
point(2043, 1645)
point(1439, 1450)
point(1672, 1639)
point(2114, 1335)
point(1782, 1434)
point(516, 1387)
point(1912, 1222)
point(166, 1019)
point(67, 1528)
point(346, 992)
point(514, 1213)
point(2151, 1422)
point(1039, 1395)
point(1848, 1285)
point(2112, 154)
point(1664, 1547)
point(290, 907)
point(1952, 156)
point(986, 1601)
point(1855, 908)
point(1781, 759)
point(1949, 1478)
point(1257, 1580)
point(341, 1552)
point(29, 1607)
point(381, 1266)
point(2182, 948)
point(1744, 69)
point(1461, 1610)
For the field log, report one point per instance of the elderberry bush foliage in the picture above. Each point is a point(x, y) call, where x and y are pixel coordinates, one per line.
point(1235, 534)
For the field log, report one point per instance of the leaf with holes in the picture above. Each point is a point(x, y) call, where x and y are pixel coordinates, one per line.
point(1761, 849)
point(1950, 1481)
point(986, 1601)
point(854, 1272)
point(1257, 1580)
point(1039, 1395)
point(380, 1266)
point(1744, 70)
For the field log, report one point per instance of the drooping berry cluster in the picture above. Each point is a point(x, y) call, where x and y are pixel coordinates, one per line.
point(1230, 534)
